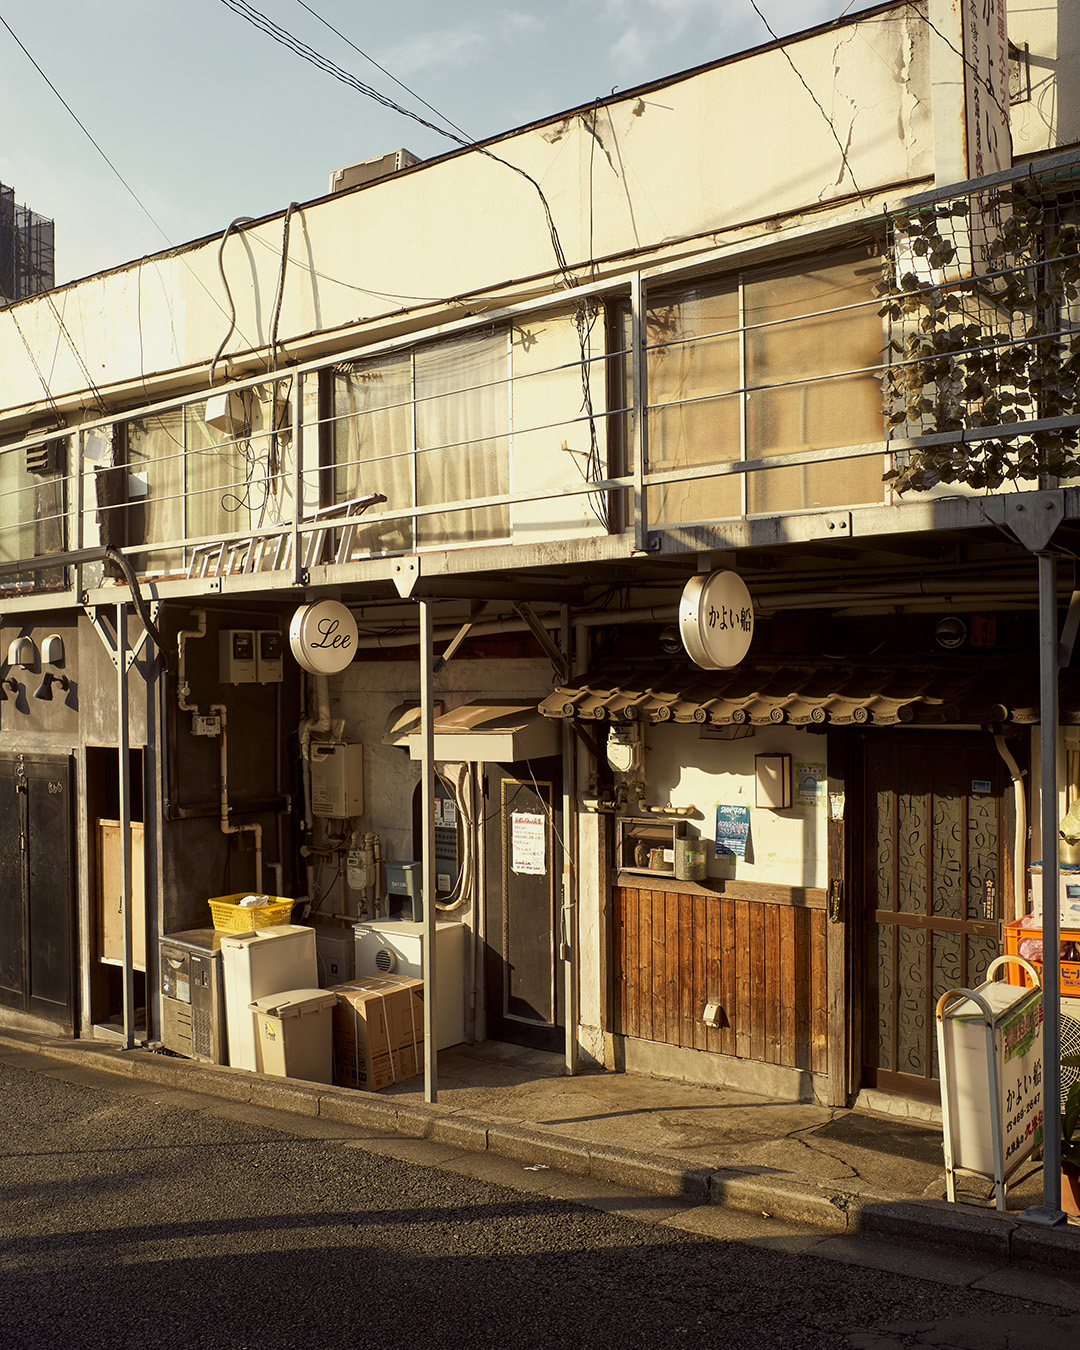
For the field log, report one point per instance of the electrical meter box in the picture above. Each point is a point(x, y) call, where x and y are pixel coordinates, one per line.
point(270, 655)
point(237, 648)
point(337, 779)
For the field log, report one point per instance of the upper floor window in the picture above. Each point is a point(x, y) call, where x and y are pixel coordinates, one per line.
point(189, 481)
point(427, 427)
point(33, 502)
point(765, 362)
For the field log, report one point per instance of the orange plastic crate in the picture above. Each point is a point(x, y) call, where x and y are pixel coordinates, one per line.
point(1070, 970)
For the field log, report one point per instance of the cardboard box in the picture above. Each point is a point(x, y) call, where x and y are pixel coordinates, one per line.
point(378, 1031)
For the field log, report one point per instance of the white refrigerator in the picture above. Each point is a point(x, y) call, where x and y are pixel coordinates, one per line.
point(396, 947)
point(267, 961)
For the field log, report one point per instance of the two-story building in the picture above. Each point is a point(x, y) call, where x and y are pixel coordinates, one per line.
point(798, 315)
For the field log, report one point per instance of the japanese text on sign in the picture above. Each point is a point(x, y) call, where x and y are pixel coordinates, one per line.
point(1021, 1083)
point(723, 618)
point(528, 844)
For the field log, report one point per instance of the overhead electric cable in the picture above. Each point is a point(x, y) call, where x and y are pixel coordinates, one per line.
point(86, 133)
point(388, 75)
point(286, 39)
point(45, 294)
point(828, 119)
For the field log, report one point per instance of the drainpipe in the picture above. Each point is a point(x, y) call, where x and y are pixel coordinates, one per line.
point(226, 827)
point(320, 685)
point(1020, 840)
point(184, 689)
point(308, 727)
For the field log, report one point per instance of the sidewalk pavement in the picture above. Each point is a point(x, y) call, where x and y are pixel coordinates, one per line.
point(856, 1172)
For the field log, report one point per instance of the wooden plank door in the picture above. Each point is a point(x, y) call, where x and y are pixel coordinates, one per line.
point(523, 814)
point(933, 873)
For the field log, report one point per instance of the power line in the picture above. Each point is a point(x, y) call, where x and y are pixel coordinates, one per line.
point(828, 119)
point(286, 39)
point(86, 133)
point(388, 75)
point(45, 294)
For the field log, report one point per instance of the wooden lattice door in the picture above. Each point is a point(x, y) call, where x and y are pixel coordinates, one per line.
point(934, 864)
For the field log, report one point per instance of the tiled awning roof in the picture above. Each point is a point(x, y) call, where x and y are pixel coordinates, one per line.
point(804, 695)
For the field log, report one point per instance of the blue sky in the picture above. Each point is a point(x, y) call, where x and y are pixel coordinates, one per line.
point(207, 118)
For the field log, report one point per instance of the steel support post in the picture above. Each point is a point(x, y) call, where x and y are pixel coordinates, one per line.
point(568, 918)
point(124, 776)
point(1048, 735)
point(427, 788)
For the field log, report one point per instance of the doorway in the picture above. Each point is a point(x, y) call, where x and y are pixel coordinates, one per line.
point(37, 893)
point(934, 865)
point(524, 867)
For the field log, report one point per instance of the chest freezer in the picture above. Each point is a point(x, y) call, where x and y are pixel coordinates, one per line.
point(396, 947)
point(267, 961)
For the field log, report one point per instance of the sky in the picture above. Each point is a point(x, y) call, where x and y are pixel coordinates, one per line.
point(206, 118)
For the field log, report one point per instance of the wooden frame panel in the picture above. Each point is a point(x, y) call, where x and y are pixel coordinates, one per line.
point(764, 962)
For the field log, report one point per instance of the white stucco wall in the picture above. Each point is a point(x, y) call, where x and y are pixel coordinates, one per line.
point(787, 847)
point(736, 143)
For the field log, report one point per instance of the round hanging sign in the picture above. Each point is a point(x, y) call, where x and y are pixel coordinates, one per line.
point(716, 620)
point(323, 637)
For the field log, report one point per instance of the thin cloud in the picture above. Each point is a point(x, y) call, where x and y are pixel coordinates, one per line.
point(461, 45)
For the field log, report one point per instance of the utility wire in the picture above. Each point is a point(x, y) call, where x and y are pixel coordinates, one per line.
point(286, 39)
point(375, 63)
point(828, 119)
point(87, 134)
point(45, 294)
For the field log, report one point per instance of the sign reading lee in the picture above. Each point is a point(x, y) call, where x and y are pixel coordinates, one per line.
point(323, 637)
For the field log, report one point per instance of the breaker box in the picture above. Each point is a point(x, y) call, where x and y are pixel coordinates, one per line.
point(237, 650)
point(270, 655)
point(337, 779)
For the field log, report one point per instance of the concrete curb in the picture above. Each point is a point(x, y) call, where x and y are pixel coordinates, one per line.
point(785, 1196)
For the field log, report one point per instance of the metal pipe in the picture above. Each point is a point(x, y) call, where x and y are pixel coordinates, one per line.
point(183, 688)
point(929, 594)
point(1020, 833)
point(227, 828)
point(568, 918)
point(124, 784)
point(1048, 735)
point(427, 788)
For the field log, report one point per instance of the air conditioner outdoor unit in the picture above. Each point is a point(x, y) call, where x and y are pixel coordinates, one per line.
point(1070, 1042)
point(368, 170)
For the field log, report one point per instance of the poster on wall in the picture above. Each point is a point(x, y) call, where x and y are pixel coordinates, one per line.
point(810, 783)
point(528, 844)
point(732, 831)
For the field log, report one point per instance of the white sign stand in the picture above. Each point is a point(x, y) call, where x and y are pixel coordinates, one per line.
point(990, 1054)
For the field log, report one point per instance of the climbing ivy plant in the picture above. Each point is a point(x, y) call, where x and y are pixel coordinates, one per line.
point(984, 331)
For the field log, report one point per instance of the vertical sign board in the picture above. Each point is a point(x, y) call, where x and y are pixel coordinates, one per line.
point(969, 70)
point(986, 87)
point(991, 1052)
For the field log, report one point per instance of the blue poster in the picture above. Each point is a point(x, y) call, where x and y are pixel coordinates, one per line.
point(732, 831)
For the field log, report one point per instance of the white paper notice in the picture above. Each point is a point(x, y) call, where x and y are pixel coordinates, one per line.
point(528, 838)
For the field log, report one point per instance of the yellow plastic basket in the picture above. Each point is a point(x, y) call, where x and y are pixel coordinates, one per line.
point(230, 916)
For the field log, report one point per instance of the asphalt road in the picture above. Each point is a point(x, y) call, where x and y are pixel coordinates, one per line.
point(157, 1218)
